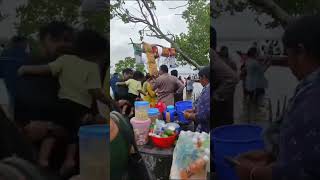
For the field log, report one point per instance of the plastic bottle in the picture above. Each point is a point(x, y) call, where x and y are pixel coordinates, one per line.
point(169, 114)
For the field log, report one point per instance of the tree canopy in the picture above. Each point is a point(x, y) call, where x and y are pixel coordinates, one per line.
point(129, 62)
point(39, 12)
point(2, 15)
point(197, 40)
point(190, 46)
point(282, 11)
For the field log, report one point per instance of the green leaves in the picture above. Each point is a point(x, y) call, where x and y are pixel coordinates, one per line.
point(39, 12)
point(129, 62)
point(98, 21)
point(194, 44)
point(2, 16)
point(196, 41)
point(292, 7)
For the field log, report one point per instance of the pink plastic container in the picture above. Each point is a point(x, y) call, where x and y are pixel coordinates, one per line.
point(141, 130)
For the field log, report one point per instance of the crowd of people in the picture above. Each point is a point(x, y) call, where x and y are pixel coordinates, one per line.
point(293, 140)
point(254, 83)
point(55, 92)
point(166, 88)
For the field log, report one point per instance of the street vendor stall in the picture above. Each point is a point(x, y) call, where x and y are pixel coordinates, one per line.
point(156, 138)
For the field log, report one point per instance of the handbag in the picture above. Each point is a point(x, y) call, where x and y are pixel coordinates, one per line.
point(137, 170)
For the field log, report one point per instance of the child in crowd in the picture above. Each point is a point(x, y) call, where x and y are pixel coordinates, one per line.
point(134, 84)
point(80, 84)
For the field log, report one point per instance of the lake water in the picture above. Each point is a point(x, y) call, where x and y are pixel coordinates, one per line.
point(281, 83)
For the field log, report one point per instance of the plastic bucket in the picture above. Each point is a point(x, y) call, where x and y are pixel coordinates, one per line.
point(163, 142)
point(141, 130)
point(181, 106)
point(94, 151)
point(231, 141)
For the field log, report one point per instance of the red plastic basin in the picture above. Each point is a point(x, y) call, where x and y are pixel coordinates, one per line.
point(161, 142)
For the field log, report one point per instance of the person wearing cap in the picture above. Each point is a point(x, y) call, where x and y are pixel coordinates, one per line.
point(201, 113)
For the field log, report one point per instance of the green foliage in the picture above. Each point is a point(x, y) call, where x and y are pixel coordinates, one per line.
point(116, 9)
point(129, 62)
point(194, 44)
point(2, 15)
point(35, 47)
point(197, 40)
point(292, 7)
point(98, 21)
point(36, 13)
point(299, 7)
point(140, 67)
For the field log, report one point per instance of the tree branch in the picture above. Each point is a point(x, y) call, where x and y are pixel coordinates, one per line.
point(156, 17)
point(274, 10)
point(150, 12)
point(154, 35)
point(154, 27)
point(180, 6)
point(141, 9)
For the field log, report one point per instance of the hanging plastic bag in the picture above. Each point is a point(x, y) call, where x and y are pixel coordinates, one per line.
point(172, 52)
point(172, 62)
point(165, 52)
point(155, 51)
point(138, 53)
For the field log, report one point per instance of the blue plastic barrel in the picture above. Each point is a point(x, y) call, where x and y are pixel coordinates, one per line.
point(231, 141)
point(94, 131)
point(181, 106)
point(94, 151)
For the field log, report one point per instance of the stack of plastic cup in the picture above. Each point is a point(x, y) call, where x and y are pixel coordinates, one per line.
point(141, 130)
point(141, 110)
point(141, 122)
